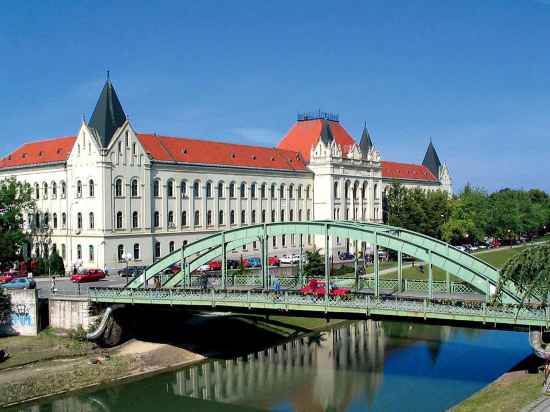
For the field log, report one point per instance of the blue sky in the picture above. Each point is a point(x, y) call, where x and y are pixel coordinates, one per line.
point(472, 75)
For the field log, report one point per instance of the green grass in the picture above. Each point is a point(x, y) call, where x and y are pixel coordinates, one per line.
point(505, 395)
point(46, 345)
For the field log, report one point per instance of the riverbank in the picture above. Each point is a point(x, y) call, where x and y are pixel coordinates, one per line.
point(511, 392)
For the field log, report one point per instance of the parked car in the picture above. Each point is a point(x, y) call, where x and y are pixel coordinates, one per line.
point(232, 264)
point(346, 256)
point(19, 283)
point(461, 248)
point(215, 265)
point(10, 275)
point(253, 262)
point(204, 268)
point(132, 271)
point(496, 243)
point(290, 259)
point(273, 261)
point(316, 287)
point(89, 275)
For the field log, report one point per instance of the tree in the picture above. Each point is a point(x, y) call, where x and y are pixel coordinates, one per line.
point(56, 263)
point(15, 200)
point(529, 271)
point(315, 266)
point(467, 217)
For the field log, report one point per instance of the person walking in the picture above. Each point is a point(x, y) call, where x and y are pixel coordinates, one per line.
point(53, 289)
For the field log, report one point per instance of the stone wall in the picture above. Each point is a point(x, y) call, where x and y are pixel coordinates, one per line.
point(69, 313)
point(23, 319)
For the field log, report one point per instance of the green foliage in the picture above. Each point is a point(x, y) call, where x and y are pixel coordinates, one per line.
point(56, 264)
point(15, 200)
point(315, 265)
point(529, 271)
point(5, 306)
point(78, 334)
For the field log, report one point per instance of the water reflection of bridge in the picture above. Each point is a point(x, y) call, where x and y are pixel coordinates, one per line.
point(314, 370)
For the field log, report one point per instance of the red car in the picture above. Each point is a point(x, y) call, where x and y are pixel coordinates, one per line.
point(89, 275)
point(10, 275)
point(215, 265)
point(316, 287)
point(273, 261)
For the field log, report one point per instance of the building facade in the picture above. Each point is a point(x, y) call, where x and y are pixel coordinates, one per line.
point(111, 194)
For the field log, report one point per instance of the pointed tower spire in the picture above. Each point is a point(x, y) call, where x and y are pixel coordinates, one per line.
point(366, 142)
point(431, 160)
point(326, 134)
point(108, 114)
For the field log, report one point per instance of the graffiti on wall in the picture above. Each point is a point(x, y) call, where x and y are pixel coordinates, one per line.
point(21, 315)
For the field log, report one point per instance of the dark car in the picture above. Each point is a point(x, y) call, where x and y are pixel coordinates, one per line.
point(232, 264)
point(132, 271)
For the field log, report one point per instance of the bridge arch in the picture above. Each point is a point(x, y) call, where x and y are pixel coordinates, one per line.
point(466, 267)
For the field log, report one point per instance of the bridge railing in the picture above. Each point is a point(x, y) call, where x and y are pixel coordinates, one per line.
point(353, 303)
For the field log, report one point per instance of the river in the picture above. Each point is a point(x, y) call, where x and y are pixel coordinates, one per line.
point(360, 366)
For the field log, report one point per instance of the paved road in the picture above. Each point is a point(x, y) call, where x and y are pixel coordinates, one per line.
point(65, 287)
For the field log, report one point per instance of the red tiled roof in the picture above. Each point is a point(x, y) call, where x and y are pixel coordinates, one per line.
point(407, 171)
point(305, 134)
point(176, 149)
point(44, 151)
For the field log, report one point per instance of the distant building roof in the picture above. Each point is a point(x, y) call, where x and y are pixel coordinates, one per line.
point(40, 152)
point(406, 171)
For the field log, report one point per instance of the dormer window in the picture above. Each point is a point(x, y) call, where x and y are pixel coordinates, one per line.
point(59, 151)
point(232, 155)
point(184, 151)
point(40, 153)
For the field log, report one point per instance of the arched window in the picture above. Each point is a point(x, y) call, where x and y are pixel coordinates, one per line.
point(243, 190)
point(282, 215)
point(283, 240)
point(171, 246)
point(299, 191)
point(91, 253)
point(45, 190)
point(209, 189)
point(36, 191)
point(355, 189)
point(220, 189)
point(119, 147)
point(135, 220)
point(118, 187)
point(196, 189)
point(55, 220)
point(262, 191)
point(184, 218)
point(120, 252)
point(63, 189)
point(91, 188)
point(37, 219)
point(253, 217)
point(170, 188)
point(220, 217)
point(308, 192)
point(291, 192)
point(134, 188)
point(54, 190)
point(63, 220)
point(336, 194)
point(291, 215)
point(170, 218)
point(183, 188)
point(309, 214)
point(133, 149)
point(119, 220)
point(299, 215)
point(282, 192)
point(79, 252)
point(273, 215)
point(263, 216)
point(209, 218)
point(91, 220)
point(346, 190)
point(272, 191)
point(136, 251)
point(156, 188)
point(197, 218)
point(157, 249)
point(253, 191)
point(232, 217)
point(376, 191)
point(79, 220)
point(243, 217)
point(156, 219)
point(364, 190)
point(46, 219)
point(78, 188)
point(232, 189)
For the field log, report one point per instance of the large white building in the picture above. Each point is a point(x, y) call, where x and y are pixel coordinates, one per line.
point(111, 191)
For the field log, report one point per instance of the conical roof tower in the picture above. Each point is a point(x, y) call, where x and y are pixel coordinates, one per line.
point(108, 114)
point(366, 142)
point(431, 160)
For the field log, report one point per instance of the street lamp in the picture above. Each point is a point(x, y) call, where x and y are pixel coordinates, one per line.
point(127, 257)
point(69, 230)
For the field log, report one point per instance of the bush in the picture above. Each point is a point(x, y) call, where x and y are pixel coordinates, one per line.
point(78, 334)
point(56, 264)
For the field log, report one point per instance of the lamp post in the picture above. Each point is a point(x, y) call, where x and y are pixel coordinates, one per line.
point(69, 230)
point(127, 257)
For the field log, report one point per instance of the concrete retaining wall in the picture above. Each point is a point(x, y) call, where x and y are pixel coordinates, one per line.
point(23, 319)
point(69, 313)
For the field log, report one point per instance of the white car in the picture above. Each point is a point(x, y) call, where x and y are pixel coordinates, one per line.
point(461, 248)
point(204, 268)
point(290, 259)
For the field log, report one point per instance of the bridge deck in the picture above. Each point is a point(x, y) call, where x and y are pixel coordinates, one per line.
point(359, 304)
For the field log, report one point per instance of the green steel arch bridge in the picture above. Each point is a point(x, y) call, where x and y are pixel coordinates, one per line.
point(178, 289)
